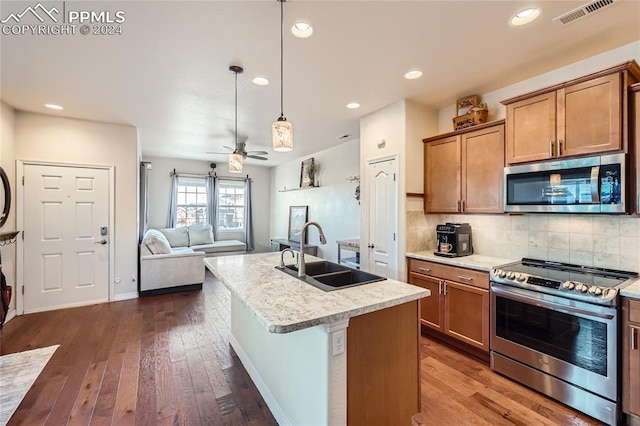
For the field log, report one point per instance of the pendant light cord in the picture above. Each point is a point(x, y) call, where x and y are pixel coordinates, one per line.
point(281, 58)
point(236, 112)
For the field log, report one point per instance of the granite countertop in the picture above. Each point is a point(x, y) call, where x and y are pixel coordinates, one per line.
point(351, 243)
point(473, 261)
point(632, 290)
point(282, 303)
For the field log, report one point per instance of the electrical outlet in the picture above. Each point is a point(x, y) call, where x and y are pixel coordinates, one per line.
point(338, 342)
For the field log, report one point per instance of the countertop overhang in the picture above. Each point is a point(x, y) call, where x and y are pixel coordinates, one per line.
point(283, 304)
point(473, 261)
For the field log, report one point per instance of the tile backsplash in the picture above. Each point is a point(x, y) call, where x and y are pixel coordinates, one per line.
point(591, 240)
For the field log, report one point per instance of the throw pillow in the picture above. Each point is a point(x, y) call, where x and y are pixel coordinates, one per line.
point(156, 242)
point(177, 237)
point(200, 234)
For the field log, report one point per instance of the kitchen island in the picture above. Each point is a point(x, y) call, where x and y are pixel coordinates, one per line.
point(324, 358)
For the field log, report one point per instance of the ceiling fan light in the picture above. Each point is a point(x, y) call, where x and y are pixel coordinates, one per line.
point(282, 135)
point(235, 163)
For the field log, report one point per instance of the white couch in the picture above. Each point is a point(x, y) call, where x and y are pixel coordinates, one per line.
point(171, 259)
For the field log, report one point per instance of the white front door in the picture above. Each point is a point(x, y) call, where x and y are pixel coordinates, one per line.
point(383, 218)
point(66, 257)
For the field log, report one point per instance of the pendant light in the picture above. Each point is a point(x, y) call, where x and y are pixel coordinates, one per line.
point(281, 129)
point(236, 158)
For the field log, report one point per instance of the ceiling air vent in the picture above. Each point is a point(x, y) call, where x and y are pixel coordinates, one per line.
point(583, 11)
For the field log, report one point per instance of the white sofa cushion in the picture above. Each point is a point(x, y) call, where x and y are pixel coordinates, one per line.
point(200, 234)
point(178, 237)
point(156, 242)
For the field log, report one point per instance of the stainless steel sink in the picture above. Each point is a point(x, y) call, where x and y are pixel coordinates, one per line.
point(329, 276)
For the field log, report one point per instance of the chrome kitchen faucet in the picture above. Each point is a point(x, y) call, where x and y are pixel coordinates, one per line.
point(303, 233)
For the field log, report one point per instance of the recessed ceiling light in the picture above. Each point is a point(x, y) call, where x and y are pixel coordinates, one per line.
point(260, 81)
point(353, 105)
point(53, 106)
point(524, 16)
point(302, 29)
point(413, 74)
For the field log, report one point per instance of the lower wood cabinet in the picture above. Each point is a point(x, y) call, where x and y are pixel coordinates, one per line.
point(456, 309)
point(631, 356)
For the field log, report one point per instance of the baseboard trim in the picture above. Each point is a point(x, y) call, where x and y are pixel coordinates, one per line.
point(269, 399)
point(167, 290)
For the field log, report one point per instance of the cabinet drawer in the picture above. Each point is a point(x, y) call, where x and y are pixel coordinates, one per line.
point(634, 310)
point(450, 273)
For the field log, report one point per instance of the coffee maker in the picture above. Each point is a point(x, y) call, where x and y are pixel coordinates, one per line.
point(454, 240)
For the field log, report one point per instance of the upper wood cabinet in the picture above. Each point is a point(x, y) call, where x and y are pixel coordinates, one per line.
point(579, 117)
point(463, 170)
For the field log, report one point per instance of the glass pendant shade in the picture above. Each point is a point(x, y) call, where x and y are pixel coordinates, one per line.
point(282, 135)
point(235, 163)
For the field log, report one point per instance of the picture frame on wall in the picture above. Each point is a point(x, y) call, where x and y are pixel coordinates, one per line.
point(307, 173)
point(297, 218)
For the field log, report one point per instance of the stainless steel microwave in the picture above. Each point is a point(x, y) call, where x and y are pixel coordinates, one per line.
point(582, 185)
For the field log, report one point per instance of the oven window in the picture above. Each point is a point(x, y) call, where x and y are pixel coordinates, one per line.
point(579, 341)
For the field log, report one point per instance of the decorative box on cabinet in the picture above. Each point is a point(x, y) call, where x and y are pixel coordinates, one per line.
point(281, 244)
point(463, 170)
point(584, 116)
point(459, 303)
point(631, 358)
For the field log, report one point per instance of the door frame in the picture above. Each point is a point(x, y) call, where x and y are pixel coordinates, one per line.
point(20, 208)
point(366, 219)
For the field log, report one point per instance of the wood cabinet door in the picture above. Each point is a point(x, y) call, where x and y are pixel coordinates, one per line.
point(483, 170)
point(430, 314)
point(442, 175)
point(531, 129)
point(634, 368)
point(466, 314)
point(589, 117)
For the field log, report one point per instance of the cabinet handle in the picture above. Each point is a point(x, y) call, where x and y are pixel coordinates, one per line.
point(444, 287)
point(551, 149)
point(458, 209)
point(424, 269)
point(439, 287)
point(462, 277)
point(559, 148)
point(463, 205)
point(634, 336)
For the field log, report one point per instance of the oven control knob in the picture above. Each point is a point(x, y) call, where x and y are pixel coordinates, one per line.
point(595, 291)
point(501, 273)
point(520, 277)
point(511, 276)
point(609, 292)
point(582, 287)
point(568, 285)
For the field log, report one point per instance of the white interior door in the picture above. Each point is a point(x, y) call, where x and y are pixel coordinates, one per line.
point(66, 257)
point(383, 218)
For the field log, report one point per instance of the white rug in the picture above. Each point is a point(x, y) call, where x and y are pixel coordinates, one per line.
point(18, 372)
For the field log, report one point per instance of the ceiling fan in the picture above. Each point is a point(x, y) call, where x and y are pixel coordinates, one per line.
point(241, 149)
point(235, 163)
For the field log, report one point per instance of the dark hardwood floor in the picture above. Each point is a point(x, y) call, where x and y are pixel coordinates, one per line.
point(166, 360)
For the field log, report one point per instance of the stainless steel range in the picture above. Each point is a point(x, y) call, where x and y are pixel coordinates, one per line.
point(555, 328)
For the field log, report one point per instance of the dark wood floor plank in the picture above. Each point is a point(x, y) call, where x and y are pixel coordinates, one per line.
point(106, 400)
point(86, 401)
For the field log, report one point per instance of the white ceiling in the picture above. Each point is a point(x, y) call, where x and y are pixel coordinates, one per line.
point(167, 74)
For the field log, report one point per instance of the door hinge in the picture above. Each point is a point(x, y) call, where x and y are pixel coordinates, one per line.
point(394, 177)
point(22, 180)
point(394, 236)
point(22, 290)
point(22, 235)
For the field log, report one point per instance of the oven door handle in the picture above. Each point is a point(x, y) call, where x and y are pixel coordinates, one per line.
point(514, 295)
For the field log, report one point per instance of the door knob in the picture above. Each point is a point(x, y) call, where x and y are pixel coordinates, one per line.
point(102, 242)
point(370, 245)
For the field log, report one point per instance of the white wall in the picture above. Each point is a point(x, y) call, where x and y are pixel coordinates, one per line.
point(332, 204)
point(64, 140)
point(8, 163)
point(160, 188)
point(593, 240)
